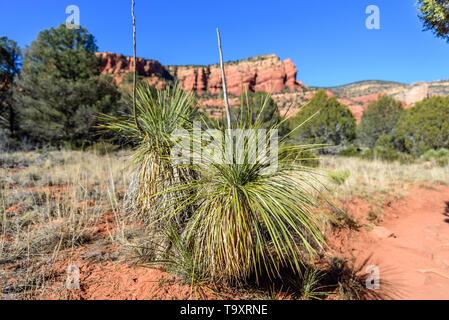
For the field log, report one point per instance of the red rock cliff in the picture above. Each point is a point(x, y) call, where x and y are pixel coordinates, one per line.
point(265, 73)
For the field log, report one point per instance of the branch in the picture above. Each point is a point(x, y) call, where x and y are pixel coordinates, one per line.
point(135, 70)
point(225, 94)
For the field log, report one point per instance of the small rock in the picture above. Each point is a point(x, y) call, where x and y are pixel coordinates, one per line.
point(14, 209)
point(383, 233)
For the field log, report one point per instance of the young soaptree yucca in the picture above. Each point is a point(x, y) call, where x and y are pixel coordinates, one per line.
point(159, 113)
point(254, 214)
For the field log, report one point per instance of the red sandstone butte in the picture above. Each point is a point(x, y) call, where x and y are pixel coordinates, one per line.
point(263, 73)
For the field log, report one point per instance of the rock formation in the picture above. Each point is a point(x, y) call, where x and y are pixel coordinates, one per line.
point(262, 73)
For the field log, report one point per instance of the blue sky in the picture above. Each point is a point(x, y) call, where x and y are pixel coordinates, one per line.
point(327, 39)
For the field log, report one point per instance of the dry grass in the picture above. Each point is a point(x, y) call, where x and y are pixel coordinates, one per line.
point(50, 203)
point(371, 177)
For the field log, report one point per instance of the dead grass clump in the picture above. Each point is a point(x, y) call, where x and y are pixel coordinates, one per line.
point(52, 207)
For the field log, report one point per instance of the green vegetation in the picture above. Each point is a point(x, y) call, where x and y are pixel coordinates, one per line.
point(9, 68)
point(61, 88)
point(379, 119)
point(232, 220)
point(339, 177)
point(424, 127)
point(324, 121)
point(441, 156)
point(160, 114)
point(259, 106)
point(248, 221)
point(434, 15)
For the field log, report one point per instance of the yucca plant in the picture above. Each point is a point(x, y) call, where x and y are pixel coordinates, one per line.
point(159, 114)
point(249, 218)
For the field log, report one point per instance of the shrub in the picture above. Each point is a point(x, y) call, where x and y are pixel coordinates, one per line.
point(324, 121)
point(248, 221)
point(424, 127)
point(441, 156)
point(339, 177)
point(62, 89)
point(386, 154)
point(379, 119)
point(160, 114)
point(259, 105)
point(350, 151)
point(385, 141)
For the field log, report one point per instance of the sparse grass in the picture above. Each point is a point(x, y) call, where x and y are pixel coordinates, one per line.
point(64, 194)
point(339, 177)
point(375, 177)
point(50, 202)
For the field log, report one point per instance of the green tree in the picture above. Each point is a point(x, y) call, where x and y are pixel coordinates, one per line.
point(424, 127)
point(259, 106)
point(9, 69)
point(252, 106)
point(380, 118)
point(324, 121)
point(62, 90)
point(435, 16)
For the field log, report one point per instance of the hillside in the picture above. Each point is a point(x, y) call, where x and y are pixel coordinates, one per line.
point(262, 73)
point(363, 88)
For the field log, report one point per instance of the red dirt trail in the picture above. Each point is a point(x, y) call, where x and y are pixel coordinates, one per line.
point(411, 245)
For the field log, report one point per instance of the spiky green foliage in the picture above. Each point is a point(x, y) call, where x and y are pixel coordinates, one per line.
point(62, 89)
point(435, 17)
point(251, 108)
point(248, 219)
point(424, 127)
point(380, 118)
point(160, 114)
point(331, 123)
point(311, 288)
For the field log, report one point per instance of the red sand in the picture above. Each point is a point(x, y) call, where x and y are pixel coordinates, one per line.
point(411, 247)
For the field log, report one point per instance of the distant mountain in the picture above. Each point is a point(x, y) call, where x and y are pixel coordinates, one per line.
point(262, 73)
point(367, 87)
point(358, 95)
point(362, 88)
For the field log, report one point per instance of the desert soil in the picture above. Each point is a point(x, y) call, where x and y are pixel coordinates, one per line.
point(410, 246)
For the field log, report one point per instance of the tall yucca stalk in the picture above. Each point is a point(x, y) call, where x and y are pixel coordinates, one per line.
point(247, 220)
point(160, 114)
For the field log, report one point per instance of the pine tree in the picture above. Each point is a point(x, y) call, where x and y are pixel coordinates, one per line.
point(424, 127)
point(380, 118)
point(62, 90)
point(324, 121)
point(9, 69)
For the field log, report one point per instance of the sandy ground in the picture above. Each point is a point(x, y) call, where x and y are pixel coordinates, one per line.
point(411, 244)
